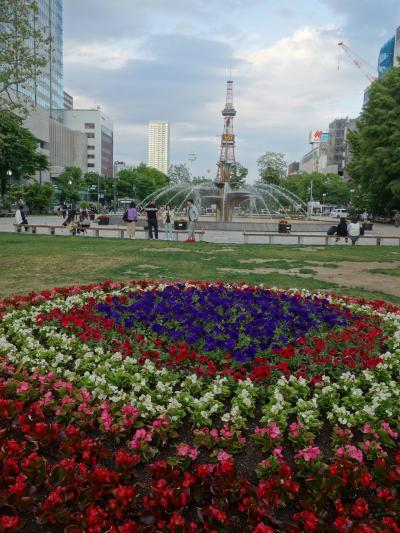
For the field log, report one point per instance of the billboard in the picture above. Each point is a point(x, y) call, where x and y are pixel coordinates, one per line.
point(318, 136)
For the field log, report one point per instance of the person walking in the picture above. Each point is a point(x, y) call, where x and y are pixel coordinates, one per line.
point(168, 219)
point(152, 221)
point(342, 230)
point(130, 217)
point(193, 216)
point(354, 230)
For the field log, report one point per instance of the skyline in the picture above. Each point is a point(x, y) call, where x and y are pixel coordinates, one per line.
point(141, 64)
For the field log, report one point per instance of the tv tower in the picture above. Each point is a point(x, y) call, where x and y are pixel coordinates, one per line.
point(227, 156)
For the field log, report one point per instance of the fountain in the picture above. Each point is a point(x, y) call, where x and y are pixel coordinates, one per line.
point(219, 197)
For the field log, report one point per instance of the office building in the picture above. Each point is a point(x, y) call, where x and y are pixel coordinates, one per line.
point(68, 101)
point(118, 166)
point(47, 90)
point(317, 158)
point(389, 55)
point(98, 129)
point(338, 149)
point(158, 153)
point(293, 168)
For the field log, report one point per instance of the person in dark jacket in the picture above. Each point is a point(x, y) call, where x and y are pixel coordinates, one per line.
point(342, 230)
point(152, 221)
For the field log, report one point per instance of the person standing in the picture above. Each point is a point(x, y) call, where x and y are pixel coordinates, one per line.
point(168, 219)
point(397, 218)
point(152, 221)
point(130, 217)
point(354, 230)
point(193, 216)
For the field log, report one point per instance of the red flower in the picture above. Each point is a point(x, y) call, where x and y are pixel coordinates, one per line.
point(10, 523)
point(360, 508)
point(308, 519)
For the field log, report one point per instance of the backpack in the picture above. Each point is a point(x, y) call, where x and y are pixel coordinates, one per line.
point(125, 216)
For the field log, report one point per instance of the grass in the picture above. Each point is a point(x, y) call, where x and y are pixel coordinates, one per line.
point(38, 262)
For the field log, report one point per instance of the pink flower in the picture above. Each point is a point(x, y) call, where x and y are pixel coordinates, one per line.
point(185, 450)
point(23, 387)
point(389, 430)
point(214, 434)
point(351, 451)
point(309, 453)
point(367, 428)
point(274, 431)
point(223, 456)
point(260, 431)
point(278, 452)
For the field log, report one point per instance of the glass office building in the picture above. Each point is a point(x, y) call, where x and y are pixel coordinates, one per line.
point(47, 89)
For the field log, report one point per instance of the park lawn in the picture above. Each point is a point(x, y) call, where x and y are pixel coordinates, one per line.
point(39, 262)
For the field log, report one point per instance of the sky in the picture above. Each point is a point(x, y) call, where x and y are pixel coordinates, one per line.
point(142, 60)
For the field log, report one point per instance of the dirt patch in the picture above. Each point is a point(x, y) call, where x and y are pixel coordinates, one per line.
point(151, 267)
point(288, 272)
point(358, 275)
point(211, 252)
point(258, 261)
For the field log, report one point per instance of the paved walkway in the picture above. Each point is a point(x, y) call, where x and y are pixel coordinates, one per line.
point(229, 237)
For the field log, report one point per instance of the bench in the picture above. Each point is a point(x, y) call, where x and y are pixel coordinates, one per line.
point(96, 230)
point(301, 237)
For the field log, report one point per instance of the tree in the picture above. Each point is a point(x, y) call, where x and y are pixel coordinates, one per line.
point(179, 174)
point(68, 185)
point(238, 176)
point(334, 187)
point(19, 159)
point(375, 146)
point(38, 196)
point(272, 167)
point(24, 51)
point(140, 181)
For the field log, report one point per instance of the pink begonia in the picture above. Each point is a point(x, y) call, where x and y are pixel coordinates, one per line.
point(139, 437)
point(226, 432)
point(160, 422)
point(278, 452)
point(185, 450)
point(352, 451)
point(23, 387)
point(63, 385)
point(294, 428)
point(260, 431)
point(214, 434)
point(389, 430)
point(223, 456)
point(86, 395)
point(265, 463)
point(367, 428)
point(309, 453)
point(274, 431)
point(106, 417)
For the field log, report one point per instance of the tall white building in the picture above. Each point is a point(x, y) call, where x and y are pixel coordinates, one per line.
point(98, 129)
point(159, 145)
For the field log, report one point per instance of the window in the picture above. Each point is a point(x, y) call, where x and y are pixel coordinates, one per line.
point(90, 135)
point(91, 165)
point(90, 156)
point(89, 125)
point(90, 147)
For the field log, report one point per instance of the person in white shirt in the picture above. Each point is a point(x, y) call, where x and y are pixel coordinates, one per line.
point(354, 230)
point(168, 219)
point(193, 216)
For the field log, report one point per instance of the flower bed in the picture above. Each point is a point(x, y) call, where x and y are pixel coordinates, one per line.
point(198, 407)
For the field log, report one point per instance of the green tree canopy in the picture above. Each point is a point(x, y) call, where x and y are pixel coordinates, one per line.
point(272, 167)
point(69, 184)
point(24, 51)
point(179, 174)
point(37, 196)
point(238, 176)
point(375, 146)
point(140, 181)
point(334, 187)
point(19, 159)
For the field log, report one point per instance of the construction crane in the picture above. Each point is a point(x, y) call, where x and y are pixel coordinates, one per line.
point(358, 61)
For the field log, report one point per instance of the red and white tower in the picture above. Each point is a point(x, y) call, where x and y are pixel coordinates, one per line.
point(227, 156)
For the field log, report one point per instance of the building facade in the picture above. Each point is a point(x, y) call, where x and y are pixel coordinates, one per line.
point(68, 148)
point(47, 89)
point(68, 101)
point(98, 129)
point(293, 168)
point(317, 158)
point(338, 149)
point(389, 54)
point(158, 149)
